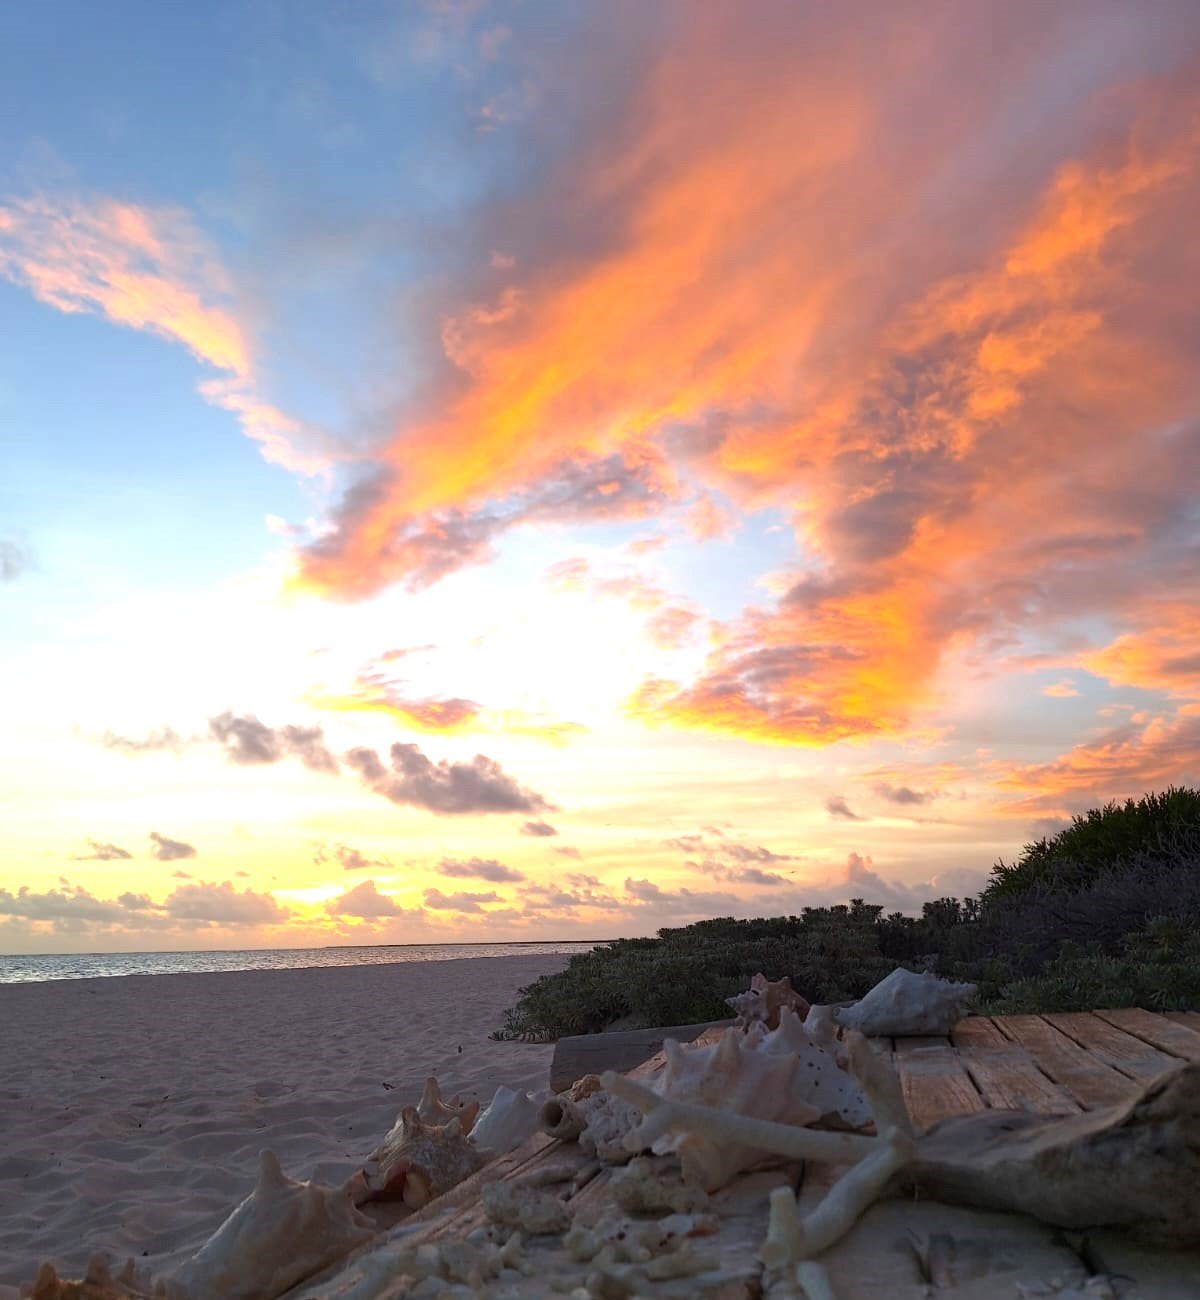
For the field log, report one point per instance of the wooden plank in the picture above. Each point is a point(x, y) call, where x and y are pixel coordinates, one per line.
point(581, 1054)
point(1092, 1083)
point(1188, 1019)
point(934, 1082)
point(1004, 1072)
point(1175, 1040)
point(1122, 1051)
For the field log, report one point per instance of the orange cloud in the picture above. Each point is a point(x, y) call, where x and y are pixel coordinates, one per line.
point(149, 269)
point(1121, 763)
point(1064, 690)
point(787, 294)
point(441, 716)
point(672, 621)
point(1163, 654)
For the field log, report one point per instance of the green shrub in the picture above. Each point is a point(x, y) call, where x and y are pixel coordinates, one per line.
point(684, 975)
point(1158, 968)
point(1099, 841)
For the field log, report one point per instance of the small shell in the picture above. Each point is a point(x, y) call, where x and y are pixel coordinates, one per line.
point(763, 1003)
point(509, 1119)
point(416, 1161)
point(433, 1110)
point(904, 1003)
point(599, 1121)
point(280, 1234)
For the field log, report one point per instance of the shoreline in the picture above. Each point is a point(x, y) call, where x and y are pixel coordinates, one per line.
point(134, 1108)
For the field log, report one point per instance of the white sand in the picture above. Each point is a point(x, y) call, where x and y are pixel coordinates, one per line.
point(133, 1110)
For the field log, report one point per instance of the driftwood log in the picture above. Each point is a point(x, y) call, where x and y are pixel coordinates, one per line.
point(1134, 1165)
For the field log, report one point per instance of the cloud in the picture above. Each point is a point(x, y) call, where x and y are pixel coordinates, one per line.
point(836, 806)
point(363, 900)
point(161, 738)
point(374, 693)
point(248, 742)
point(16, 559)
point(1063, 690)
point(167, 850)
point(101, 853)
point(434, 898)
point(730, 861)
point(671, 621)
point(1146, 752)
point(224, 905)
point(150, 269)
point(479, 868)
point(902, 794)
point(568, 851)
point(375, 541)
point(478, 786)
point(351, 859)
point(71, 906)
point(538, 829)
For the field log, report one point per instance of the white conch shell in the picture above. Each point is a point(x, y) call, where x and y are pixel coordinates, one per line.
point(510, 1118)
point(904, 1003)
point(433, 1110)
point(280, 1234)
point(735, 1075)
point(416, 1161)
point(820, 1080)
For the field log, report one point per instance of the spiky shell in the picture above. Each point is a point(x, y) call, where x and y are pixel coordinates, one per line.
point(417, 1161)
point(283, 1232)
point(765, 1000)
point(731, 1074)
point(905, 1003)
point(434, 1110)
point(821, 1080)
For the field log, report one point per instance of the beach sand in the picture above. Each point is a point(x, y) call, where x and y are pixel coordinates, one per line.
point(133, 1110)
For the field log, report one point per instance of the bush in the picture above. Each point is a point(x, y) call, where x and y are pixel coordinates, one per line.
point(684, 975)
point(1158, 968)
point(1101, 841)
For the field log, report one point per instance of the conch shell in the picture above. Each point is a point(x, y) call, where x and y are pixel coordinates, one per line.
point(417, 1161)
point(510, 1118)
point(763, 1003)
point(433, 1110)
point(733, 1074)
point(904, 1003)
point(283, 1232)
point(822, 1081)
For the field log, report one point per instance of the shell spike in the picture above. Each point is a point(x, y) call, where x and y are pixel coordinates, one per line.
point(270, 1172)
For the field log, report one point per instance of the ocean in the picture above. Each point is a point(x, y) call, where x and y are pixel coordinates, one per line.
point(77, 966)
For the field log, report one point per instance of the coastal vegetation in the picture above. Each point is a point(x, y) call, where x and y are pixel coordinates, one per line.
point(1105, 913)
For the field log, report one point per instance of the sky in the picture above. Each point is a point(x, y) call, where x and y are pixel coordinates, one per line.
point(488, 471)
